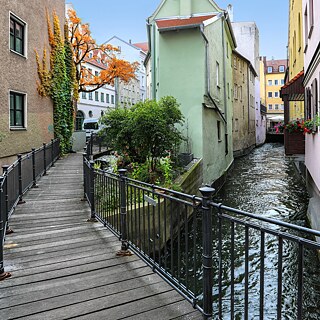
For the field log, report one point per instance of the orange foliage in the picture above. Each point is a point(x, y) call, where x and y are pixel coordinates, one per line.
point(85, 49)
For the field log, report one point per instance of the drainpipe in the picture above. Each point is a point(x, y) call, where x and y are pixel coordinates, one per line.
point(224, 84)
point(151, 40)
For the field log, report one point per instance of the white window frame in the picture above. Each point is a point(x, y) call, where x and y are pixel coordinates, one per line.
point(25, 35)
point(25, 113)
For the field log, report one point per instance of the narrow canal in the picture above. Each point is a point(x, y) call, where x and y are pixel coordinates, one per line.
point(265, 182)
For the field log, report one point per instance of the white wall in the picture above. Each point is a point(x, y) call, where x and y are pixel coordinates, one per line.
point(132, 54)
point(86, 105)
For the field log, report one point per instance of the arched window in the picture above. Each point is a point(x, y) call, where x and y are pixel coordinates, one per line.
point(79, 120)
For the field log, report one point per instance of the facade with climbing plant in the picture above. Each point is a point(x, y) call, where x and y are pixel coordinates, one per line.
point(26, 118)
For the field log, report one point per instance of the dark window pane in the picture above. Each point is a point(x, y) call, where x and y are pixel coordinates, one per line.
point(19, 102)
point(19, 118)
point(11, 42)
point(19, 46)
point(11, 118)
point(11, 27)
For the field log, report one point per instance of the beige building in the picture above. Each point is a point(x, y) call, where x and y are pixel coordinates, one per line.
point(26, 118)
point(244, 122)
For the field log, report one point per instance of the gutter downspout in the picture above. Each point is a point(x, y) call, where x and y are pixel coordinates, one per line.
point(208, 76)
point(224, 83)
point(151, 41)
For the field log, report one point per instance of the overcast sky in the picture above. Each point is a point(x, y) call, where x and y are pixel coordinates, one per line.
point(127, 20)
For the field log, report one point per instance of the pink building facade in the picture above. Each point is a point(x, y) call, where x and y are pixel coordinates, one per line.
point(311, 29)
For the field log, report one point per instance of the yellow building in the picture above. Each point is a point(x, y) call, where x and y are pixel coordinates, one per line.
point(274, 74)
point(262, 83)
point(296, 54)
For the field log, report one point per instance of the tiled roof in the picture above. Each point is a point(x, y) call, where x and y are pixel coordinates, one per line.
point(275, 65)
point(296, 77)
point(142, 45)
point(171, 23)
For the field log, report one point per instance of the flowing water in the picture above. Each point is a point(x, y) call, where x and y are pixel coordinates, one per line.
point(266, 183)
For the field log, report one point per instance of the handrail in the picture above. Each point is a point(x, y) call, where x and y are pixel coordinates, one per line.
point(17, 179)
point(161, 226)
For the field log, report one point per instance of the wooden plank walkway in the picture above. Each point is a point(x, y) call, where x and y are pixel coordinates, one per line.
point(64, 267)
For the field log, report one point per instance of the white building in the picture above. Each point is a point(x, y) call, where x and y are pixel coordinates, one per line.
point(127, 94)
point(95, 104)
point(311, 26)
point(247, 36)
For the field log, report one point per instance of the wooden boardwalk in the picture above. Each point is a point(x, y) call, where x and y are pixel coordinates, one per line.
point(64, 267)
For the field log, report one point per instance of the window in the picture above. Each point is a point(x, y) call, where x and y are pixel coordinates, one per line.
point(269, 82)
point(269, 94)
point(228, 89)
point(269, 70)
point(219, 130)
point(281, 68)
point(90, 73)
point(235, 62)
point(235, 91)
point(17, 110)
point(217, 74)
point(79, 120)
point(269, 106)
point(17, 35)
point(276, 107)
point(96, 95)
point(299, 32)
point(282, 81)
point(96, 73)
point(306, 28)
point(282, 106)
point(311, 17)
point(102, 97)
point(112, 99)
point(276, 94)
point(90, 96)
point(276, 82)
point(84, 95)
point(108, 98)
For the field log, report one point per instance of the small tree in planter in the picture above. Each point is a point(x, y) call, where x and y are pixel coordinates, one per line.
point(145, 133)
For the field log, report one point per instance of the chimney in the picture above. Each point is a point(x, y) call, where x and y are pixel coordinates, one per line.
point(130, 41)
point(185, 8)
point(230, 11)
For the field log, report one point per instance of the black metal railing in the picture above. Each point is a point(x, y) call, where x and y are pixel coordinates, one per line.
point(207, 251)
point(18, 178)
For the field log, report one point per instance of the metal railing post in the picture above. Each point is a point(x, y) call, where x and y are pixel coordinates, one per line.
point(20, 178)
point(6, 199)
point(34, 178)
point(52, 153)
point(91, 197)
point(3, 274)
point(84, 175)
point(44, 160)
point(207, 194)
point(91, 144)
point(123, 214)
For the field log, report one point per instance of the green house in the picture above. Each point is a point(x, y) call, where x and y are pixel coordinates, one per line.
point(190, 57)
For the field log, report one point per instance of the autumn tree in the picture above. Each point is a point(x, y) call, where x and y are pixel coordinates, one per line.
point(86, 50)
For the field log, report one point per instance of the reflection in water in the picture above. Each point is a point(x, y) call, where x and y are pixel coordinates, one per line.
point(264, 183)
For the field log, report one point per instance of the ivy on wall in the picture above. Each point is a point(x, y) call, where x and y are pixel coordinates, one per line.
point(58, 82)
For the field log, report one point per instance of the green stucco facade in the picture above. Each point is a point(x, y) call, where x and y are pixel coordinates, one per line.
point(193, 64)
